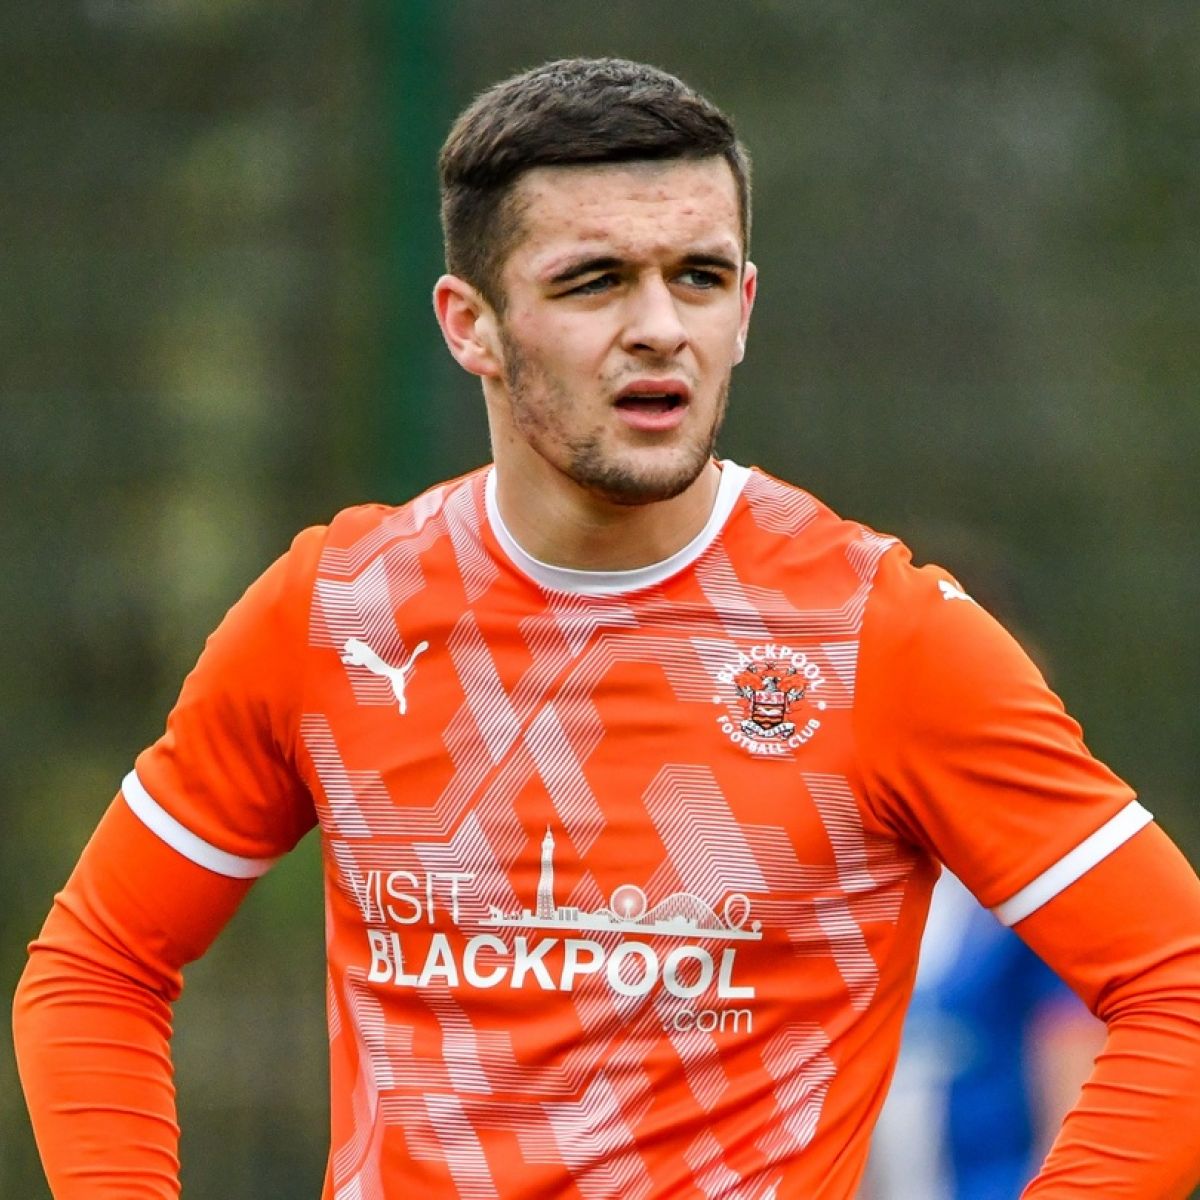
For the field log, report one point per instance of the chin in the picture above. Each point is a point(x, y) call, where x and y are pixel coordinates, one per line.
point(632, 484)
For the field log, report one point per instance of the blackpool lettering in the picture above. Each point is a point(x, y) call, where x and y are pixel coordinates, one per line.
point(769, 652)
point(555, 965)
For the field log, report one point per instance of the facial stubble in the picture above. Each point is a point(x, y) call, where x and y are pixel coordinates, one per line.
point(534, 401)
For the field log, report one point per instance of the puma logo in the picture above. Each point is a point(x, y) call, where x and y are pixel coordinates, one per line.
point(356, 653)
point(950, 592)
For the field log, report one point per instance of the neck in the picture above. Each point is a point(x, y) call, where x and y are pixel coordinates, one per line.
point(567, 526)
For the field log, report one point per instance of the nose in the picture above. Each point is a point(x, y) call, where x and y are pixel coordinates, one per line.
point(653, 322)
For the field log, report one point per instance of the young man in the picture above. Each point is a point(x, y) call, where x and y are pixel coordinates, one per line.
point(631, 766)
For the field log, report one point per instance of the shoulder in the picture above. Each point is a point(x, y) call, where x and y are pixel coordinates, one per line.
point(787, 510)
point(788, 533)
point(804, 537)
point(432, 508)
point(924, 612)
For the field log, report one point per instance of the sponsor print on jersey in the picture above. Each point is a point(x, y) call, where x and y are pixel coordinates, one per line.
point(619, 944)
point(775, 699)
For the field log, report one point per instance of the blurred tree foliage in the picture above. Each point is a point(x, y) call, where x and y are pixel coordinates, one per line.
point(979, 327)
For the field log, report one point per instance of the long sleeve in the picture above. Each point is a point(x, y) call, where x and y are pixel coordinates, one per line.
point(1126, 936)
point(207, 809)
point(92, 1015)
point(973, 757)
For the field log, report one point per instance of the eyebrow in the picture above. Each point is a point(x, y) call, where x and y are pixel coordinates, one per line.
point(709, 259)
point(585, 266)
point(607, 262)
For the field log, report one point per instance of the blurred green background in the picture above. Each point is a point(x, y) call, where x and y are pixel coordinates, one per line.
point(978, 327)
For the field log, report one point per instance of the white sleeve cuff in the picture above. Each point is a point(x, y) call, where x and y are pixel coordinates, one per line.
point(1073, 865)
point(178, 837)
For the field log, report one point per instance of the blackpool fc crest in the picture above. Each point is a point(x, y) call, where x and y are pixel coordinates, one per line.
point(775, 690)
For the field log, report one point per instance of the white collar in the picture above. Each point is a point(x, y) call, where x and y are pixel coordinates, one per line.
point(568, 579)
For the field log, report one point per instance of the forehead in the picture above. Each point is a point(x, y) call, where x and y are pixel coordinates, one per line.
point(626, 210)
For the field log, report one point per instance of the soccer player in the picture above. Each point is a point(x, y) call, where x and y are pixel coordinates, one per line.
point(632, 767)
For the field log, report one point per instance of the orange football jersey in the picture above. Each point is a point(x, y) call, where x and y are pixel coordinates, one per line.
point(625, 872)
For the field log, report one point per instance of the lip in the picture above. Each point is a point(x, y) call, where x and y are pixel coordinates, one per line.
point(650, 420)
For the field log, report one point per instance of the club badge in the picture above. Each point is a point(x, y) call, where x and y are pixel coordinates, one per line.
point(772, 699)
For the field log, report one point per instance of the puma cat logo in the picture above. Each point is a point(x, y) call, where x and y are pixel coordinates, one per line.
point(356, 653)
point(950, 592)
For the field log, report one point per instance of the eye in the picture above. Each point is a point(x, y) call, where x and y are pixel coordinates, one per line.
point(594, 286)
point(697, 277)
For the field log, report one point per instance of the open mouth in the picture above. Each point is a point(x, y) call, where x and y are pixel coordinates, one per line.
point(653, 397)
point(653, 407)
point(651, 403)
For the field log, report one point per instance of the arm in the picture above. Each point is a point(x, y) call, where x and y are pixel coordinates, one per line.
point(206, 811)
point(92, 1016)
point(1126, 937)
point(968, 753)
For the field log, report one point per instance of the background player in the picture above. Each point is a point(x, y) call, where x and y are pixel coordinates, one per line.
point(995, 1049)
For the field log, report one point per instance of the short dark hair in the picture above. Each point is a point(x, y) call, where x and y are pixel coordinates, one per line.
point(569, 112)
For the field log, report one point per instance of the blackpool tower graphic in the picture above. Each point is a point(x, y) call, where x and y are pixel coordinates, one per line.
point(545, 889)
point(680, 914)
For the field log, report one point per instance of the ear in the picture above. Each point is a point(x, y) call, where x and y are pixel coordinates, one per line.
point(468, 324)
point(749, 291)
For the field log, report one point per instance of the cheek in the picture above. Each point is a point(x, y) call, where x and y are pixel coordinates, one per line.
point(535, 333)
point(564, 350)
point(718, 335)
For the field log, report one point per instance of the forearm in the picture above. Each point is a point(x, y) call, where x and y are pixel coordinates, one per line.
point(1133, 1131)
point(1127, 937)
point(93, 1054)
point(92, 1015)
